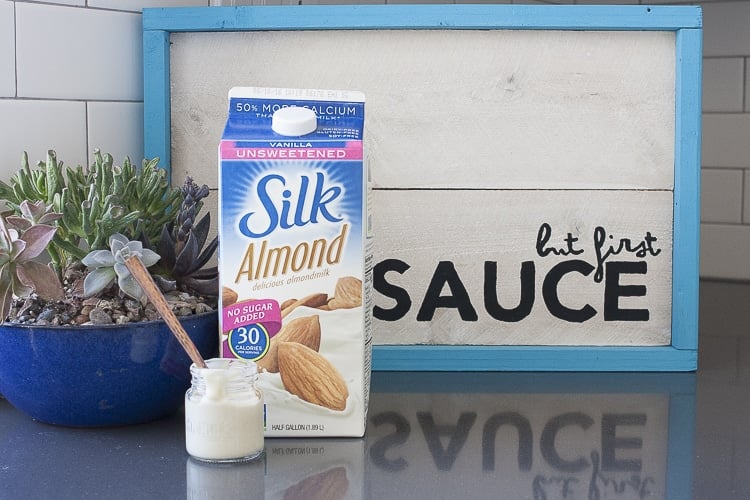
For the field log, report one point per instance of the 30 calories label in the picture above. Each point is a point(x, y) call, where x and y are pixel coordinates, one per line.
point(249, 326)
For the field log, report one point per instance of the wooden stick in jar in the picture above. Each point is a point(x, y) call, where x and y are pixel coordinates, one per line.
point(143, 277)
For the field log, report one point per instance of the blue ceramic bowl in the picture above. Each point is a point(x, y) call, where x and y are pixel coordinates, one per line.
point(93, 376)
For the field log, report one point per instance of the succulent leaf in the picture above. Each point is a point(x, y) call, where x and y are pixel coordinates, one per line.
point(149, 257)
point(36, 239)
point(18, 222)
point(117, 242)
point(106, 265)
point(165, 248)
point(121, 269)
point(99, 258)
point(202, 229)
point(130, 287)
point(181, 244)
point(32, 211)
point(4, 257)
point(206, 287)
point(97, 280)
point(6, 290)
point(187, 257)
point(206, 255)
point(16, 247)
point(43, 279)
point(22, 284)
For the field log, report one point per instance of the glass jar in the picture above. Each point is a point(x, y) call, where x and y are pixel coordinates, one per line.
point(224, 412)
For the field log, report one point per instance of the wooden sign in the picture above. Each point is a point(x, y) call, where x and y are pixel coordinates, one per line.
point(535, 168)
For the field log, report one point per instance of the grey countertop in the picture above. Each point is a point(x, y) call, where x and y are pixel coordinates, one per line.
point(677, 436)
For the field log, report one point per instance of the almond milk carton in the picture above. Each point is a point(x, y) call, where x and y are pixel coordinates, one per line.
point(295, 257)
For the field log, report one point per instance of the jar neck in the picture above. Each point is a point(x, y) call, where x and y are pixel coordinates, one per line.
point(224, 377)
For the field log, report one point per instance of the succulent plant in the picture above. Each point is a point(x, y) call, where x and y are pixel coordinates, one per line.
point(181, 245)
point(106, 265)
point(96, 202)
point(32, 213)
point(90, 220)
point(22, 239)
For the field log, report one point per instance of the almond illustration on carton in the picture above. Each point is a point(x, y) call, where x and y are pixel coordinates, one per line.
point(287, 303)
point(304, 330)
point(348, 293)
point(311, 377)
point(228, 296)
point(313, 300)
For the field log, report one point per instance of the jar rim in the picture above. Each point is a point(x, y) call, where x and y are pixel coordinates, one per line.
point(233, 364)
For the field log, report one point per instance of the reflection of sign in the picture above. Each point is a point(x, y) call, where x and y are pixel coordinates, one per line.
point(547, 445)
point(541, 444)
point(535, 169)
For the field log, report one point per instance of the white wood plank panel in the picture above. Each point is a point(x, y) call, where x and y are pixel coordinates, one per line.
point(464, 229)
point(455, 108)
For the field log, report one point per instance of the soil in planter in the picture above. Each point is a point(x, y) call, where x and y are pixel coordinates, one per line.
point(109, 307)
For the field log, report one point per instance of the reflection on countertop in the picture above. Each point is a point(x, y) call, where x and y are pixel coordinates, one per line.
point(430, 435)
point(676, 436)
point(540, 436)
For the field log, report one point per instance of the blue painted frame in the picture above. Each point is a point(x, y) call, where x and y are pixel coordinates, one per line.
point(685, 21)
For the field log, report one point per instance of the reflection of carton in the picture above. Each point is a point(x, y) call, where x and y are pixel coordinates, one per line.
point(323, 469)
point(296, 255)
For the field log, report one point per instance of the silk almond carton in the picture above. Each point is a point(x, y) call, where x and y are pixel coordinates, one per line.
point(295, 257)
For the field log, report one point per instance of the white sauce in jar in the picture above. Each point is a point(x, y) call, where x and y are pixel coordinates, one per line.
point(224, 412)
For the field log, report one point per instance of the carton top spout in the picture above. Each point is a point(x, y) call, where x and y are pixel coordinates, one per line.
point(294, 121)
point(257, 114)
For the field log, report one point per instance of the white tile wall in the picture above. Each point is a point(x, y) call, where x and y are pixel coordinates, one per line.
point(721, 195)
point(417, 1)
point(725, 29)
point(36, 126)
point(73, 53)
point(7, 50)
point(310, 2)
point(482, 1)
point(746, 200)
point(723, 84)
point(726, 140)
point(80, 3)
point(686, 2)
point(71, 79)
point(724, 251)
point(606, 2)
point(116, 128)
point(137, 5)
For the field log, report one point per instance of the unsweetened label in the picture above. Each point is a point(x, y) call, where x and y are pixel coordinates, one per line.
point(296, 254)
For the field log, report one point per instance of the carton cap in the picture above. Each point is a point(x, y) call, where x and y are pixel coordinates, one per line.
point(294, 121)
